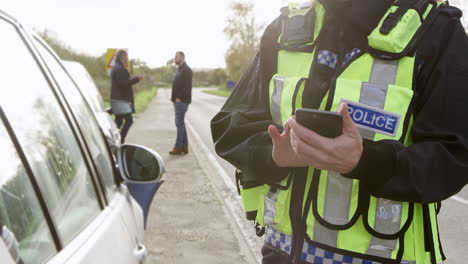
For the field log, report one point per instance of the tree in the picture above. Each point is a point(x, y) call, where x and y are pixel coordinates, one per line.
point(243, 32)
point(217, 77)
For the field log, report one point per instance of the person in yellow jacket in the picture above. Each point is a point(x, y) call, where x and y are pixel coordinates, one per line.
point(398, 73)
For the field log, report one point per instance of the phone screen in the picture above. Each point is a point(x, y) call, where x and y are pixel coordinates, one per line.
point(324, 123)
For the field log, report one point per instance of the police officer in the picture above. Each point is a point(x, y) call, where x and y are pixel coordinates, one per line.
point(398, 73)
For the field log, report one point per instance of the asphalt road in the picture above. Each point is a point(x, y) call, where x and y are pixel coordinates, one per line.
point(452, 218)
point(203, 108)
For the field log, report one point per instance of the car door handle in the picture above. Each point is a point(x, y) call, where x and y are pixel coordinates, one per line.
point(140, 253)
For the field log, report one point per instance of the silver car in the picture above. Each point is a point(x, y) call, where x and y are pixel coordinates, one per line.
point(64, 198)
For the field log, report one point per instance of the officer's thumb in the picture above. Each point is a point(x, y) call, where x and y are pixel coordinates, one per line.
point(274, 134)
point(349, 127)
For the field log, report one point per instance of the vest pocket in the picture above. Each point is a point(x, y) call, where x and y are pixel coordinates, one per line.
point(274, 206)
point(334, 200)
point(333, 206)
point(387, 221)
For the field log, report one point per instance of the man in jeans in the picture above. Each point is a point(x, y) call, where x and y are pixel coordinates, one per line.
point(181, 97)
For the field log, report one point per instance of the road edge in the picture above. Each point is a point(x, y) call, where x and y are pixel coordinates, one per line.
point(226, 192)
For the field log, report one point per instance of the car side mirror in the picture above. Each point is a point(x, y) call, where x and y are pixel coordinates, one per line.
point(139, 164)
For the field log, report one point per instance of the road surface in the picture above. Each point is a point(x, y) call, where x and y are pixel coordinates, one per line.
point(452, 218)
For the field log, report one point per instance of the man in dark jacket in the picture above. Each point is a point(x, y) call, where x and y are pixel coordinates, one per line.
point(122, 101)
point(181, 97)
point(434, 168)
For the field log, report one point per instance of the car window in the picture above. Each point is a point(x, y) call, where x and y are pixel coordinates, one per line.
point(89, 88)
point(46, 137)
point(86, 120)
point(21, 217)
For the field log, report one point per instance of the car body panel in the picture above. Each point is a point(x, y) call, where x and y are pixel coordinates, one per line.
point(5, 254)
point(109, 239)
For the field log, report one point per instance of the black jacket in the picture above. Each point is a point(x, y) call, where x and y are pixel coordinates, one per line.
point(121, 84)
point(434, 168)
point(182, 85)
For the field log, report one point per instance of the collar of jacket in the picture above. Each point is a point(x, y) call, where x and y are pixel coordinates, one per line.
point(119, 64)
point(182, 65)
point(363, 15)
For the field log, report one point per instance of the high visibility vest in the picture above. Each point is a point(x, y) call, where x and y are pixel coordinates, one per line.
point(379, 91)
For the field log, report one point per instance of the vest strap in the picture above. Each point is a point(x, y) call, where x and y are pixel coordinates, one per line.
point(338, 190)
point(388, 213)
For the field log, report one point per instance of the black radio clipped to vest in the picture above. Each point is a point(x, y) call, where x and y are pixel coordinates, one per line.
point(297, 27)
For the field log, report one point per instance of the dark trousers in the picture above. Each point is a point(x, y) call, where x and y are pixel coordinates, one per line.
point(123, 126)
point(272, 255)
point(180, 110)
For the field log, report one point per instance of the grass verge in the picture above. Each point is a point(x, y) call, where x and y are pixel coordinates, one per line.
point(142, 99)
point(220, 92)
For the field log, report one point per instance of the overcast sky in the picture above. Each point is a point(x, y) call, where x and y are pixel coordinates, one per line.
point(152, 30)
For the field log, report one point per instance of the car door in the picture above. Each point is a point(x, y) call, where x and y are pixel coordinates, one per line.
point(81, 225)
point(143, 193)
point(129, 211)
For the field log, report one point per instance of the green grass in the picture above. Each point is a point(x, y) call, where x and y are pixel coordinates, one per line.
point(142, 99)
point(220, 92)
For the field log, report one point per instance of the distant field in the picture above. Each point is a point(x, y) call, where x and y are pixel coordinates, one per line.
point(220, 92)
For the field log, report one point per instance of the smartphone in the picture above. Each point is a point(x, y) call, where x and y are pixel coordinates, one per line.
point(324, 123)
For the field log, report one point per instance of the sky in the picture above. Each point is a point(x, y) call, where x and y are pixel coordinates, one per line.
point(152, 30)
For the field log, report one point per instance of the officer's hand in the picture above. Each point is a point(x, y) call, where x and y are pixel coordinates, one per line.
point(283, 154)
point(340, 154)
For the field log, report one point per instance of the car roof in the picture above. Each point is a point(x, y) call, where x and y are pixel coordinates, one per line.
point(6, 15)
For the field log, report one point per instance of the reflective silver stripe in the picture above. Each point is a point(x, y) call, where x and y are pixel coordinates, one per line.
point(339, 189)
point(276, 99)
point(373, 94)
point(336, 208)
point(388, 213)
point(387, 221)
point(384, 71)
point(270, 209)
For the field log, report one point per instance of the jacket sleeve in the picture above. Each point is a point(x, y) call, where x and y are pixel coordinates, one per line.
point(123, 79)
point(435, 167)
point(239, 130)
